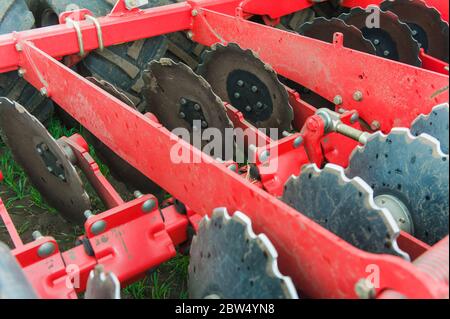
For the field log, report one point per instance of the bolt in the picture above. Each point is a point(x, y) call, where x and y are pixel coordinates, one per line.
point(337, 100)
point(50, 169)
point(298, 141)
point(386, 52)
point(36, 235)
point(364, 289)
point(194, 12)
point(19, 47)
point(354, 117)
point(248, 108)
point(44, 92)
point(204, 124)
point(44, 147)
point(240, 83)
point(233, 168)
point(376, 41)
point(197, 107)
point(341, 110)
point(237, 95)
point(375, 125)
point(39, 150)
point(358, 96)
point(259, 105)
point(21, 72)
point(62, 177)
point(190, 34)
point(182, 115)
point(264, 156)
point(414, 32)
point(46, 249)
point(148, 205)
point(137, 194)
point(254, 89)
point(98, 227)
point(286, 134)
point(88, 214)
point(183, 101)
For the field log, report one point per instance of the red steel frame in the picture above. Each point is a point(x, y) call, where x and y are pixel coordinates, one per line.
point(321, 264)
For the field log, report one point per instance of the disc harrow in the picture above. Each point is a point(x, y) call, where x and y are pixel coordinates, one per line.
point(321, 190)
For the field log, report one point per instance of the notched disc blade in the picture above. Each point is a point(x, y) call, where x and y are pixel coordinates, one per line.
point(181, 99)
point(120, 168)
point(43, 160)
point(414, 171)
point(392, 38)
point(239, 77)
point(229, 261)
point(434, 124)
point(344, 206)
point(426, 23)
point(324, 30)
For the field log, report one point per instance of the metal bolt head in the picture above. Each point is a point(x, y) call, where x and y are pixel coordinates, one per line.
point(337, 100)
point(44, 92)
point(298, 141)
point(88, 214)
point(248, 108)
point(194, 12)
point(414, 32)
point(182, 115)
point(254, 89)
point(190, 34)
point(375, 125)
point(21, 72)
point(233, 168)
point(98, 227)
point(358, 96)
point(19, 47)
point(137, 194)
point(197, 107)
point(364, 289)
point(264, 156)
point(183, 101)
point(149, 205)
point(354, 118)
point(36, 235)
point(259, 105)
point(386, 52)
point(237, 95)
point(46, 249)
point(240, 83)
point(376, 41)
point(204, 124)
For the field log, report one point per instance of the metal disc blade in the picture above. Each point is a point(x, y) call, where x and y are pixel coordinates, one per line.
point(181, 99)
point(239, 77)
point(344, 206)
point(392, 38)
point(228, 261)
point(44, 161)
point(120, 168)
point(412, 170)
point(434, 124)
point(324, 29)
point(426, 23)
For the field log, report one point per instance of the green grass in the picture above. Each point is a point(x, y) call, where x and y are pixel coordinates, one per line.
point(165, 282)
